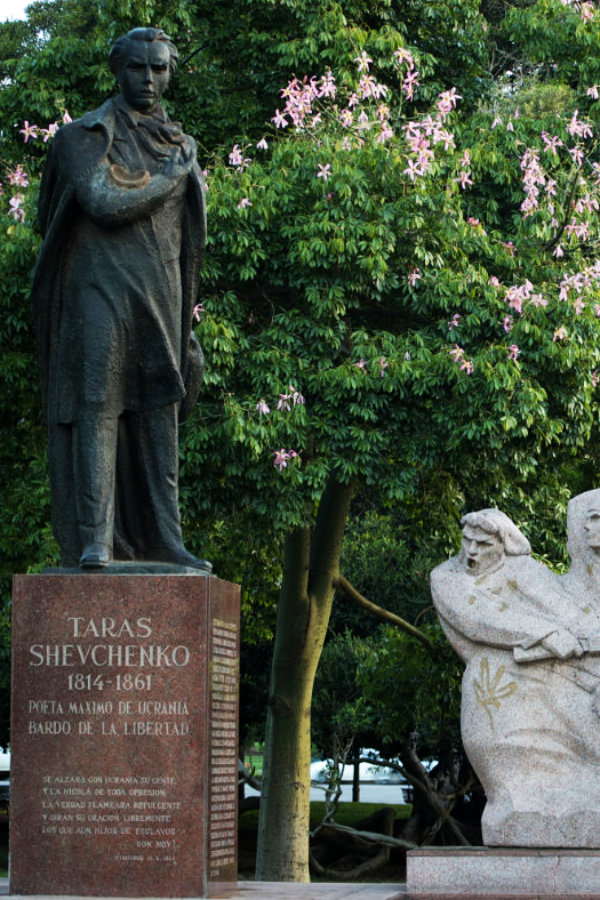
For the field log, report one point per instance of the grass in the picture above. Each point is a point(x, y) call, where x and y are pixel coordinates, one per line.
point(254, 761)
point(347, 814)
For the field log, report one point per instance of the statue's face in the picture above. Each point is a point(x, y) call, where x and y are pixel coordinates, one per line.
point(480, 550)
point(592, 528)
point(145, 74)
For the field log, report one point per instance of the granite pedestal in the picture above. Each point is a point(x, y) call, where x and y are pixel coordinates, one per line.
point(124, 735)
point(502, 872)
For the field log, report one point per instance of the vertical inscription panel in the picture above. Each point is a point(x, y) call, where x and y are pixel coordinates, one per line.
point(110, 725)
point(224, 739)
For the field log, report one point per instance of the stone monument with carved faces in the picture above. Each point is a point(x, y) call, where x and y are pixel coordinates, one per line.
point(531, 643)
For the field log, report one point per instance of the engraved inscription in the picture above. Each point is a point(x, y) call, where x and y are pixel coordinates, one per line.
point(224, 752)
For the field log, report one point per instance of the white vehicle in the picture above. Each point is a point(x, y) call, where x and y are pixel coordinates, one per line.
point(368, 772)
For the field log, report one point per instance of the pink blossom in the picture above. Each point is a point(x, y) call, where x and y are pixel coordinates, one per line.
point(447, 102)
point(473, 221)
point(578, 306)
point(493, 281)
point(579, 229)
point(284, 404)
point(66, 118)
point(327, 86)
point(595, 378)
point(281, 458)
point(385, 134)
point(18, 177)
point(368, 87)
point(457, 353)
point(513, 352)
point(263, 409)
point(579, 129)
point(593, 92)
point(551, 144)
point(538, 300)
point(237, 159)
point(509, 246)
point(296, 396)
point(587, 11)
point(510, 127)
point(346, 118)
point(383, 364)
point(279, 120)
point(16, 210)
point(403, 55)
point(497, 121)
point(244, 203)
point(363, 61)
point(414, 275)
point(454, 322)
point(411, 81)
point(464, 179)
point(577, 155)
point(262, 144)
point(29, 131)
point(324, 171)
point(49, 132)
point(198, 310)
point(560, 334)
point(467, 366)
point(363, 122)
point(361, 364)
point(597, 309)
point(507, 323)
point(413, 170)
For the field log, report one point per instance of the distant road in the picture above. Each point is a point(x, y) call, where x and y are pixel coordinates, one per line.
point(369, 793)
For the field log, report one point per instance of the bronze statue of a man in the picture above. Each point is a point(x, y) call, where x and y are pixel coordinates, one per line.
point(122, 213)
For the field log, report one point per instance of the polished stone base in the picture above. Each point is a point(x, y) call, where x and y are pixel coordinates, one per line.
point(502, 872)
point(124, 735)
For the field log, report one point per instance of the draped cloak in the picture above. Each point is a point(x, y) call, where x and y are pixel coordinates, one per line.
point(159, 359)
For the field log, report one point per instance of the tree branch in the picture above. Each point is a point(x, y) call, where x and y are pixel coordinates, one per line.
point(385, 614)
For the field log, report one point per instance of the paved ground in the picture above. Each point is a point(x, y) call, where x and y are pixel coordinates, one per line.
point(256, 890)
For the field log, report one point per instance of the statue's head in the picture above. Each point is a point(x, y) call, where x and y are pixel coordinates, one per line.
point(489, 535)
point(143, 61)
point(583, 525)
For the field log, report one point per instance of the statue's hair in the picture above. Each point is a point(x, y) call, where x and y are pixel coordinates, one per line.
point(121, 46)
point(493, 521)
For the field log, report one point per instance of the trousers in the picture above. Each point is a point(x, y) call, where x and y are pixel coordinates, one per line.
point(113, 481)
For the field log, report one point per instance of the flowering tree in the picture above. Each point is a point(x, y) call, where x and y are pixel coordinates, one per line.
point(400, 287)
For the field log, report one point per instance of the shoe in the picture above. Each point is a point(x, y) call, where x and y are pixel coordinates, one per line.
point(95, 556)
point(179, 556)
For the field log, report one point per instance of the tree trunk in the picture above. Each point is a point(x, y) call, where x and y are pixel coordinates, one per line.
point(311, 564)
point(356, 781)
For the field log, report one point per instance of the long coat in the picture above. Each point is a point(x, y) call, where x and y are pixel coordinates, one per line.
point(76, 151)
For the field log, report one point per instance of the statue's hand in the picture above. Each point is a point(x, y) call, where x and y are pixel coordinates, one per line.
point(562, 644)
point(180, 162)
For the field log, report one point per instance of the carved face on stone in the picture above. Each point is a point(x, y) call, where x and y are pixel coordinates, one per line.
point(592, 528)
point(480, 549)
point(144, 74)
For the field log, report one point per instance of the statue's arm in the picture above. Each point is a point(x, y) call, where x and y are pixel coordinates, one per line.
point(486, 619)
point(110, 195)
